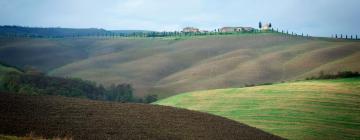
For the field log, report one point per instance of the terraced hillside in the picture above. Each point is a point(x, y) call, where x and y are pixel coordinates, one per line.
point(51, 116)
point(167, 66)
point(322, 109)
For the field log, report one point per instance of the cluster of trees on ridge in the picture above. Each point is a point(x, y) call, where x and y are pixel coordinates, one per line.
point(31, 32)
point(39, 84)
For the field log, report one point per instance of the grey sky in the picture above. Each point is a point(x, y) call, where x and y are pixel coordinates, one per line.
point(315, 17)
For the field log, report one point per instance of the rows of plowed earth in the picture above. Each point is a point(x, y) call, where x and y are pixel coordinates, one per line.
point(304, 110)
point(169, 66)
point(52, 116)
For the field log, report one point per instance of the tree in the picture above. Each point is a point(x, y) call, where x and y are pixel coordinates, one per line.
point(151, 98)
point(270, 25)
point(120, 93)
point(260, 25)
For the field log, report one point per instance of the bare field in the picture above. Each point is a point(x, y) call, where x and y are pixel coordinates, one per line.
point(51, 116)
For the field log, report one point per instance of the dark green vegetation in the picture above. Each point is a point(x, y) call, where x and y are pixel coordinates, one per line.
point(171, 65)
point(311, 109)
point(51, 116)
point(38, 84)
point(338, 75)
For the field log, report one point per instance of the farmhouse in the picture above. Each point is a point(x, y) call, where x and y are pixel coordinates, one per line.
point(236, 29)
point(190, 30)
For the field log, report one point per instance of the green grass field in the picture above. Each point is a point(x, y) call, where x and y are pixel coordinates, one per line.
point(319, 109)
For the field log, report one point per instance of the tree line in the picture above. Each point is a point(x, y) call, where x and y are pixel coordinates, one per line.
point(341, 36)
point(338, 75)
point(40, 84)
point(38, 32)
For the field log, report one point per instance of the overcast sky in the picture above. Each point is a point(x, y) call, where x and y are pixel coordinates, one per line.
point(315, 17)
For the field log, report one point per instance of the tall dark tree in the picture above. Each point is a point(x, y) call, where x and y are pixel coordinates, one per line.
point(120, 93)
point(260, 25)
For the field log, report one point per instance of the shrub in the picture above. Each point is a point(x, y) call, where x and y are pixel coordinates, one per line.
point(151, 98)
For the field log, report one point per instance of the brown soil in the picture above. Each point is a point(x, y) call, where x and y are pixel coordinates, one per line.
point(53, 116)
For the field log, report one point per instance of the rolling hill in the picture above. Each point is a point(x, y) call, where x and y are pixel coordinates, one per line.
point(316, 109)
point(167, 66)
point(52, 116)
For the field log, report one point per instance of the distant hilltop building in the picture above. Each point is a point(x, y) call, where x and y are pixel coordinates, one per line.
point(236, 29)
point(190, 30)
point(266, 26)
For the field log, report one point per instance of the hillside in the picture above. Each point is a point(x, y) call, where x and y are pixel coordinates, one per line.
point(167, 66)
point(51, 116)
point(319, 109)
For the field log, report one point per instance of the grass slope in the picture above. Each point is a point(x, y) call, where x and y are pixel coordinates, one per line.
point(322, 109)
point(5, 69)
point(51, 116)
point(167, 66)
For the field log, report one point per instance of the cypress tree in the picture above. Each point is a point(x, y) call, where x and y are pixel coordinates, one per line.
point(260, 25)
